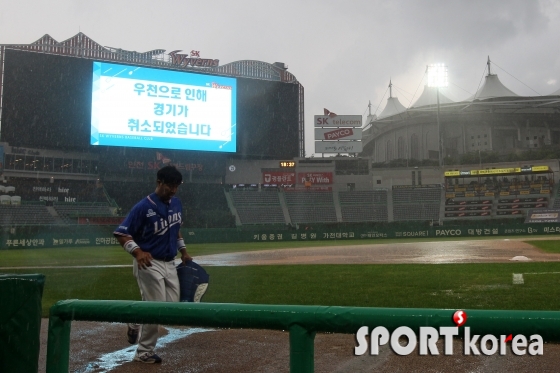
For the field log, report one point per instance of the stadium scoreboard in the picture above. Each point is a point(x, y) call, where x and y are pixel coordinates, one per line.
point(287, 164)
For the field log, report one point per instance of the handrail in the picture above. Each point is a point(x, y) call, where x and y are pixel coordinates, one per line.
point(111, 200)
point(302, 322)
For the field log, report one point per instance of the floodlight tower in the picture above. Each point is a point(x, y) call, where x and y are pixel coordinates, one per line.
point(437, 77)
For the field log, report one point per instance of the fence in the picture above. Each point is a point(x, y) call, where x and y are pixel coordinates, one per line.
point(372, 231)
point(302, 322)
point(71, 236)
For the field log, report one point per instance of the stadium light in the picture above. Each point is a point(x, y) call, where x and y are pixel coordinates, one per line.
point(437, 77)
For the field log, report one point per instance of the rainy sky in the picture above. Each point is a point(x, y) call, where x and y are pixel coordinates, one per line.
point(343, 52)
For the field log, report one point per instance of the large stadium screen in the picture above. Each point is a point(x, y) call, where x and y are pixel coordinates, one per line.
point(47, 104)
point(143, 107)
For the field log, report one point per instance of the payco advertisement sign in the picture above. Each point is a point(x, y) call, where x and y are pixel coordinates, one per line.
point(338, 133)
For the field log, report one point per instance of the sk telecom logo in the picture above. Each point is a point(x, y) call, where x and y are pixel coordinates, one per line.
point(428, 337)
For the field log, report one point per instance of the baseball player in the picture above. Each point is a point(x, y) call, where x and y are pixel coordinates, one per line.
point(151, 234)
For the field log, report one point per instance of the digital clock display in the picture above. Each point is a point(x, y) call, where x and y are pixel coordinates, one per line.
point(287, 163)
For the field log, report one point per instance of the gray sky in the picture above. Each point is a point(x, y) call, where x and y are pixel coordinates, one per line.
point(343, 52)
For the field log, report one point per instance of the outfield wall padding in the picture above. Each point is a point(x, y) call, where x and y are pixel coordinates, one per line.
point(20, 322)
point(103, 236)
point(374, 231)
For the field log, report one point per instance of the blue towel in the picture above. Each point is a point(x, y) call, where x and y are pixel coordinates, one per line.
point(191, 277)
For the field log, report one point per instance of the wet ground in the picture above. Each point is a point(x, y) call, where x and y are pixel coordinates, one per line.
point(102, 347)
point(475, 251)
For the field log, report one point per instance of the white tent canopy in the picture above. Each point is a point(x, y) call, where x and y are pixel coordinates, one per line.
point(492, 88)
point(429, 97)
point(393, 107)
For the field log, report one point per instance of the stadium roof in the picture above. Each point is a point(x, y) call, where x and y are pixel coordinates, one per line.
point(492, 93)
point(429, 97)
point(492, 88)
point(393, 106)
point(81, 45)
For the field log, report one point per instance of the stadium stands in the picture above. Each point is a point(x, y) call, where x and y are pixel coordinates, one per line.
point(417, 203)
point(210, 205)
point(70, 212)
point(258, 207)
point(365, 205)
point(306, 206)
point(11, 215)
point(62, 190)
point(556, 204)
point(5, 199)
point(497, 197)
point(126, 193)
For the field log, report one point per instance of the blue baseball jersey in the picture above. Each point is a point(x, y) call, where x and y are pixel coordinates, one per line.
point(154, 226)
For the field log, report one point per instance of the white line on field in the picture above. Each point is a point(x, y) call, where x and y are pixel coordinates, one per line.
point(519, 280)
point(107, 362)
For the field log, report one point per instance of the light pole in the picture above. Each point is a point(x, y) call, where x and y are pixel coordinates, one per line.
point(437, 77)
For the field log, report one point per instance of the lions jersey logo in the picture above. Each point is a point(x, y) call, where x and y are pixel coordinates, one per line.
point(162, 226)
point(150, 213)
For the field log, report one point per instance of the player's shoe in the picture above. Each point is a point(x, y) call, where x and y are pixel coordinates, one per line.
point(132, 335)
point(148, 358)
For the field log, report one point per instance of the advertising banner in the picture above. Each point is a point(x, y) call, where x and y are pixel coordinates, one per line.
point(543, 216)
point(521, 200)
point(338, 121)
point(338, 133)
point(497, 171)
point(338, 147)
point(480, 202)
point(487, 229)
point(315, 177)
point(279, 177)
point(463, 208)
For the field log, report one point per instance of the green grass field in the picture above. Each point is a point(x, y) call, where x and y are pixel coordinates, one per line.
point(548, 246)
point(467, 286)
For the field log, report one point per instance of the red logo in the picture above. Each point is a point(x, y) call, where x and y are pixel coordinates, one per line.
point(218, 86)
point(193, 59)
point(460, 318)
point(329, 113)
point(338, 133)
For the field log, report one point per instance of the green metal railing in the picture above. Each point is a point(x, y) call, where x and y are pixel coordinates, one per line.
point(302, 322)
